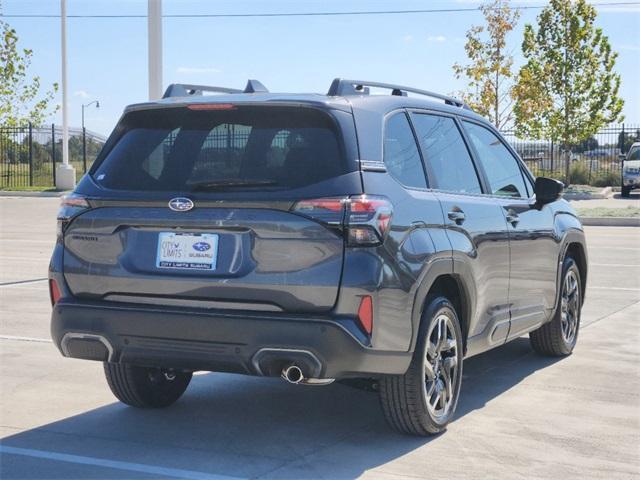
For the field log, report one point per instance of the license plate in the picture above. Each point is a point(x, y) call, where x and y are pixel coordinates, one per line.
point(190, 251)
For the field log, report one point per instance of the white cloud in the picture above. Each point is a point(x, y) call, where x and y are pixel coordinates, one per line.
point(408, 38)
point(436, 38)
point(197, 70)
point(81, 94)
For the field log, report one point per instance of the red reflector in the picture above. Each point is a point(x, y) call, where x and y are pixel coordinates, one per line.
point(54, 291)
point(211, 106)
point(365, 314)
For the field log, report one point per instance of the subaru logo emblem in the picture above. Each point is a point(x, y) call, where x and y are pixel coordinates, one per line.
point(180, 204)
point(201, 246)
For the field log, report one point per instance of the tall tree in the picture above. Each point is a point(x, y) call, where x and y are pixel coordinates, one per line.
point(568, 88)
point(489, 76)
point(20, 98)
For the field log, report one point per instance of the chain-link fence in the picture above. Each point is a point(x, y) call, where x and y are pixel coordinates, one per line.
point(596, 161)
point(29, 154)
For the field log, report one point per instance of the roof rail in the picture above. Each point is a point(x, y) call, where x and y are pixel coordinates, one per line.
point(186, 90)
point(343, 87)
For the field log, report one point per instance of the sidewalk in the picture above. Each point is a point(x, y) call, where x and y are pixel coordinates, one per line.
point(611, 211)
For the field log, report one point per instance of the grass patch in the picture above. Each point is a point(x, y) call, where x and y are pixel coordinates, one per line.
point(628, 212)
point(29, 189)
point(582, 189)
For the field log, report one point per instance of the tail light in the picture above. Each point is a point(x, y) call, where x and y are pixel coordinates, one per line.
point(366, 219)
point(365, 314)
point(54, 291)
point(70, 206)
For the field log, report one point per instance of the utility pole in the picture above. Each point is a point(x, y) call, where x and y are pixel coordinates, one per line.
point(154, 25)
point(65, 174)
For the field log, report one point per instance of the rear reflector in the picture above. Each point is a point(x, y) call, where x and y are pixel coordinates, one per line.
point(54, 291)
point(211, 106)
point(365, 314)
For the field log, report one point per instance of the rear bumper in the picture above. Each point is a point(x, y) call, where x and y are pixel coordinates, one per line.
point(249, 343)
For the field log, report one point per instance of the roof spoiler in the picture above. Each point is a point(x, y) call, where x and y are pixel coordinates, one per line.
point(342, 87)
point(186, 90)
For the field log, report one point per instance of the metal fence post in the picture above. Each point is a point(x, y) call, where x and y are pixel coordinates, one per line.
point(84, 150)
point(30, 154)
point(53, 151)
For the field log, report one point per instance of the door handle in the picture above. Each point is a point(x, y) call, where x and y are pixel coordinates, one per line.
point(456, 215)
point(512, 217)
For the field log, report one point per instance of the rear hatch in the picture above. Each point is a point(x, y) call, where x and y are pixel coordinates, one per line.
point(197, 205)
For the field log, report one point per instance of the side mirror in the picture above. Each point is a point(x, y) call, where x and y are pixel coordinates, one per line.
point(547, 190)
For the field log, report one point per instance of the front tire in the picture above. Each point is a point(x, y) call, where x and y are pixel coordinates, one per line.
point(626, 191)
point(558, 337)
point(145, 387)
point(423, 400)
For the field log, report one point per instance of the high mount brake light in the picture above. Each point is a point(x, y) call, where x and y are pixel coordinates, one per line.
point(365, 218)
point(211, 106)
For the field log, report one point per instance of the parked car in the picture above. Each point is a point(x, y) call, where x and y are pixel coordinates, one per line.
point(312, 237)
point(631, 170)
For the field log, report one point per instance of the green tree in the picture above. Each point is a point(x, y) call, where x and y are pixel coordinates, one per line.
point(20, 98)
point(568, 88)
point(489, 76)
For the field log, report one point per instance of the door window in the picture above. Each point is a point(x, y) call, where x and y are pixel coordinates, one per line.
point(401, 155)
point(446, 154)
point(502, 169)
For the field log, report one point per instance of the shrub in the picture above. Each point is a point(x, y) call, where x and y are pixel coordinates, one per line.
point(579, 173)
point(606, 179)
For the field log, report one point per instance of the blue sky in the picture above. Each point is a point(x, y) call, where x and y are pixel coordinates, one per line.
point(107, 56)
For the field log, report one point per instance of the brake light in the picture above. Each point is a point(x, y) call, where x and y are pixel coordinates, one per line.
point(368, 219)
point(365, 314)
point(211, 106)
point(70, 206)
point(54, 291)
point(365, 218)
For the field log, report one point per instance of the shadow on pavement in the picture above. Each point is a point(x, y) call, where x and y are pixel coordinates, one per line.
point(240, 426)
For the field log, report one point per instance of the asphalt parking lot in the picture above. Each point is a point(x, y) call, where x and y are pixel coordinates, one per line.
point(520, 415)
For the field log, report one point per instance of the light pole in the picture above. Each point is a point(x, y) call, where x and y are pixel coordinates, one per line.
point(154, 32)
point(84, 134)
point(65, 173)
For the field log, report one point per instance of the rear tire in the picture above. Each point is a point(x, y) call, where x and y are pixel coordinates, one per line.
point(626, 192)
point(558, 337)
point(423, 400)
point(145, 387)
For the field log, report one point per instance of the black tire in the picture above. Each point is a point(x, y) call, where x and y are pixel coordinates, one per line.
point(553, 338)
point(626, 192)
point(145, 387)
point(404, 397)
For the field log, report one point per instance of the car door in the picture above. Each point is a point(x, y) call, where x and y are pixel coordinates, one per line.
point(533, 246)
point(475, 226)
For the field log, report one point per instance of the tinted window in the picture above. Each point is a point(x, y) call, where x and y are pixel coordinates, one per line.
point(501, 168)
point(446, 154)
point(401, 155)
point(179, 149)
point(634, 154)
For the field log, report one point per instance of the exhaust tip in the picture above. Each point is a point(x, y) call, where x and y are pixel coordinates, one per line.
point(292, 374)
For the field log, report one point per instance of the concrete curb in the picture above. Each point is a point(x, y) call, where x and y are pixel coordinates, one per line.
point(12, 193)
point(611, 221)
point(604, 193)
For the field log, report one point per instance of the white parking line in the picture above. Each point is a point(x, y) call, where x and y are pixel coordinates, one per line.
point(22, 282)
point(614, 288)
point(613, 265)
point(101, 462)
point(25, 339)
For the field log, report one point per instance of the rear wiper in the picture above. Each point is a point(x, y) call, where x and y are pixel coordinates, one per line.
point(230, 183)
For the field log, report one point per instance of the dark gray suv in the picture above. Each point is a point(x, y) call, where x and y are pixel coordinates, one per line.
point(314, 237)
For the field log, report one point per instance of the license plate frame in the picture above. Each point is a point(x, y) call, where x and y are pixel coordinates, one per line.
point(187, 251)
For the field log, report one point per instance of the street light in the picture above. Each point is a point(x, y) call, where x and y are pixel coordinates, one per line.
point(88, 105)
point(84, 134)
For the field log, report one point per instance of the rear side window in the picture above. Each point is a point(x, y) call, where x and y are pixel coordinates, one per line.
point(502, 169)
point(446, 154)
point(401, 155)
point(179, 149)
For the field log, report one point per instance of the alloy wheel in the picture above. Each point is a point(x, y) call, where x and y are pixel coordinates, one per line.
point(440, 367)
point(570, 307)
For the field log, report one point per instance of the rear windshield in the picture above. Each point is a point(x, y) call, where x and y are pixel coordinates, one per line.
point(241, 148)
